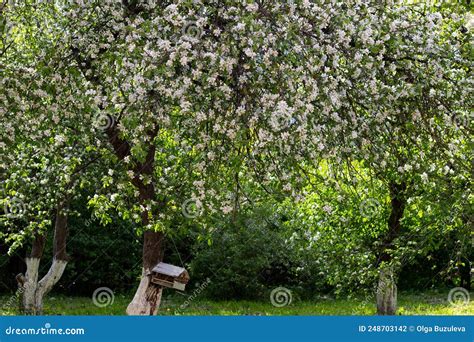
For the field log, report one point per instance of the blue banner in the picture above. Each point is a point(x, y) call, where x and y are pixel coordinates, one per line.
point(245, 329)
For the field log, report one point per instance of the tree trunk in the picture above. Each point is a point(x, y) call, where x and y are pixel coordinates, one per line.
point(147, 299)
point(32, 291)
point(148, 296)
point(386, 293)
point(47, 283)
point(29, 284)
point(387, 289)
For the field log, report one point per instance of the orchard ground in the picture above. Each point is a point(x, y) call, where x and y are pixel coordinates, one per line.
point(426, 303)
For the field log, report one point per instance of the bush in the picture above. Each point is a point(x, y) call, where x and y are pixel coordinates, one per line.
point(246, 256)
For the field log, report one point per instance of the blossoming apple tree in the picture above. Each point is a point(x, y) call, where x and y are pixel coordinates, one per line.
point(222, 90)
point(45, 159)
point(406, 120)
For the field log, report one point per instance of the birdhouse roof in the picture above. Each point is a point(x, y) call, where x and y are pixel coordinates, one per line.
point(169, 270)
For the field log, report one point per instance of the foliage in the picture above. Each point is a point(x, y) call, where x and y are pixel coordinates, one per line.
point(146, 106)
point(311, 248)
point(239, 254)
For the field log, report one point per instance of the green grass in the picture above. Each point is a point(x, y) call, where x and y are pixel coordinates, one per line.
point(428, 303)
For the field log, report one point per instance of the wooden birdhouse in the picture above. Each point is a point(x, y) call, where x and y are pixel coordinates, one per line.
point(167, 275)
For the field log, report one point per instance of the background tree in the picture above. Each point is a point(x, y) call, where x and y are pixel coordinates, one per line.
point(417, 124)
point(44, 160)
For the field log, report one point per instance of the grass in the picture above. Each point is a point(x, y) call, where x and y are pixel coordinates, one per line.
point(428, 303)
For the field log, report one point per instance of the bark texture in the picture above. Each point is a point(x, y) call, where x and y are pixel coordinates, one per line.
point(148, 296)
point(386, 293)
point(387, 288)
point(33, 291)
point(29, 286)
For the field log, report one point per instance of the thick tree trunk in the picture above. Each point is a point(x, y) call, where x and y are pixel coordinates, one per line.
point(32, 291)
point(27, 283)
point(148, 296)
point(145, 302)
point(386, 293)
point(30, 281)
point(387, 289)
point(47, 283)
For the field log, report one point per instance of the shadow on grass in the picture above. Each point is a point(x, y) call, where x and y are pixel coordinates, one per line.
point(427, 303)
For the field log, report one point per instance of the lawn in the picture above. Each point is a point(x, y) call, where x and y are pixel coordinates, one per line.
point(428, 303)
